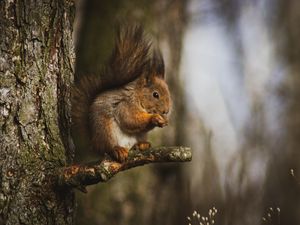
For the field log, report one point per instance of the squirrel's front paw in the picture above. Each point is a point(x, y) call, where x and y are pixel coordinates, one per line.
point(120, 153)
point(159, 121)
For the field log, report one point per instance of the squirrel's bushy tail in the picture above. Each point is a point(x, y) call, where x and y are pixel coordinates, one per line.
point(127, 62)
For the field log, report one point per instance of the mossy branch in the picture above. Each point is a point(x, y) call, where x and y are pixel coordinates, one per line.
point(79, 176)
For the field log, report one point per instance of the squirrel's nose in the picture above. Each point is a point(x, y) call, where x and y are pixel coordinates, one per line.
point(165, 112)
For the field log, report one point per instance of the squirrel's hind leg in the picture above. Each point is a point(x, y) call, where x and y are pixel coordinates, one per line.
point(120, 153)
point(107, 137)
point(120, 142)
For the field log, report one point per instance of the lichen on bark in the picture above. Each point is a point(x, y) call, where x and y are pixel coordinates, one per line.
point(79, 176)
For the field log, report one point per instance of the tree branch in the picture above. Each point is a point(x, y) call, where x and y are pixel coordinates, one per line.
point(79, 176)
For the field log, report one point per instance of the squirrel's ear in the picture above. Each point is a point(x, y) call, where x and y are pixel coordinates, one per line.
point(145, 79)
point(158, 65)
point(156, 68)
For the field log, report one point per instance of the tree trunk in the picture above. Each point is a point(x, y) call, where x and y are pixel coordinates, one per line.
point(36, 58)
point(286, 154)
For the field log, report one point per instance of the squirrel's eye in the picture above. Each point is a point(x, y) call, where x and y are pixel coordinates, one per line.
point(155, 95)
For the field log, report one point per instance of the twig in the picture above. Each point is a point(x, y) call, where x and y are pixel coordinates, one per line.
point(79, 176)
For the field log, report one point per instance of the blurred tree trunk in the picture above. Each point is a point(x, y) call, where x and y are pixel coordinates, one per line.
point(167, 20)
point(170, 23)
point(36, 57)
point(281, 188)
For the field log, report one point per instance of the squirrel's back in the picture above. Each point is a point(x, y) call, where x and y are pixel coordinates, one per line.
point(127, 62)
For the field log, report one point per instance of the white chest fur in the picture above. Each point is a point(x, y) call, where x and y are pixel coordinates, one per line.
point(122, 139)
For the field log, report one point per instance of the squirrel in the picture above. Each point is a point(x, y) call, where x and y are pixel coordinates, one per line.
point(130, 97)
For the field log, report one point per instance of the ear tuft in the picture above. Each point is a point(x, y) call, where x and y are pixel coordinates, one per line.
point(157, 64)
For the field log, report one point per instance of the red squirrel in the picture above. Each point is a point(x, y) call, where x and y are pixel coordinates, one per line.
point(130, 97)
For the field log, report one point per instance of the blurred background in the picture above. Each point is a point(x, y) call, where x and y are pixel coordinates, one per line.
point(233, 67)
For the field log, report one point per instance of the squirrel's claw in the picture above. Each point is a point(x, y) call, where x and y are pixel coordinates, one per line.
point(120, 153)
point(142, 145)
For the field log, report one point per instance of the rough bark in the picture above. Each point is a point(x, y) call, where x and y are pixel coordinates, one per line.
point(36, 57)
